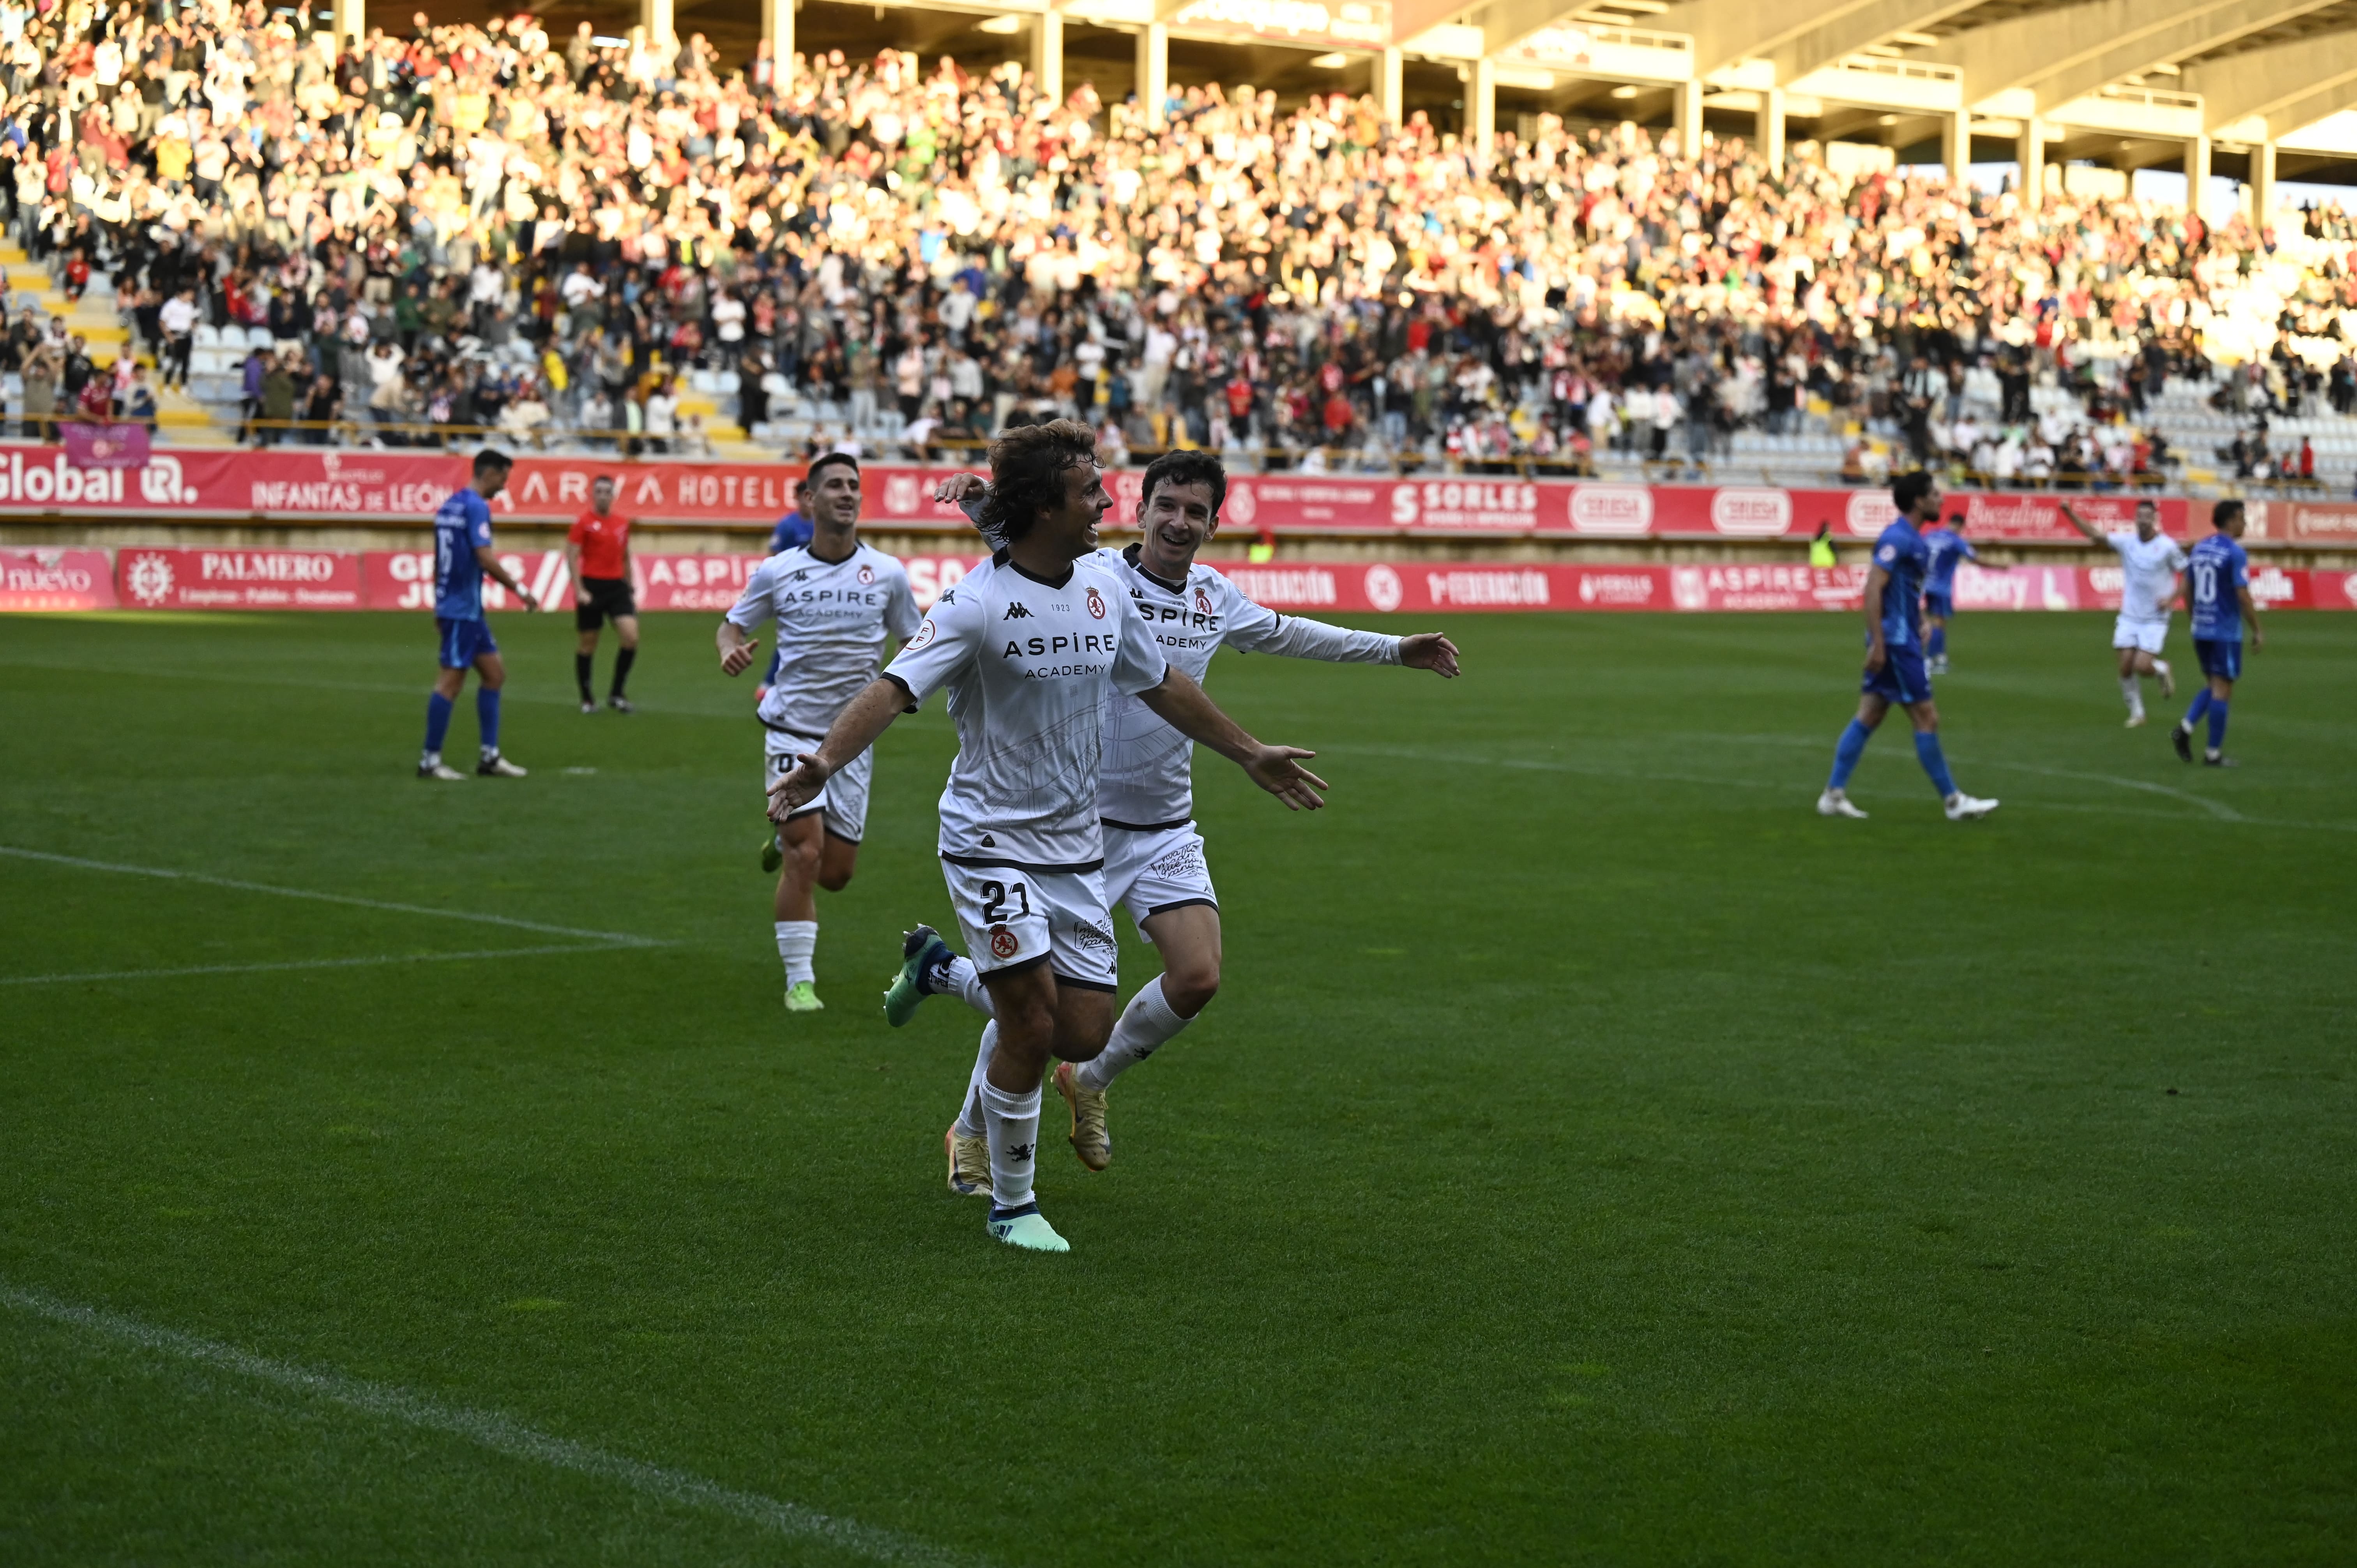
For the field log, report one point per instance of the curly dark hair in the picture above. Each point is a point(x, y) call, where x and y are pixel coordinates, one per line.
point(1185, 468)
point(1027, 465)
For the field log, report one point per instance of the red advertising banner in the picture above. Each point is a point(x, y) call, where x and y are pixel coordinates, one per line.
point(56, 580)
point(239, 579)
point(408, 485)
point(2303, 523)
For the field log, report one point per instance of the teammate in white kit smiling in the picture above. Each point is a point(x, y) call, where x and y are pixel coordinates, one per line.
point(1155, 866)
point(2149, 563)
point(836, 601)
point(1032, 647)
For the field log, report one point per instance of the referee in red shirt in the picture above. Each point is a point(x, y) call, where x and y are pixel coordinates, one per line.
point(598, 549)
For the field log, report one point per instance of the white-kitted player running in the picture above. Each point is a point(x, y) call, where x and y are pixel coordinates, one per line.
point(1155, 866)
point(835, 602)
point(2149, 563)
point(1033, 647)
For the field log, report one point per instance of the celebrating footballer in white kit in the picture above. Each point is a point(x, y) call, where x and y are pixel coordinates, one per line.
point(2149, 563)
point(836, 601)
point(1032, 648)
point(1154, 865)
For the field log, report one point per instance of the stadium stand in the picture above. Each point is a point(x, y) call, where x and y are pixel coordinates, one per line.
point(584, 242)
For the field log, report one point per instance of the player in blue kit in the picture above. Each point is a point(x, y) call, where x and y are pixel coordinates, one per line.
point(1894, 658)
point(2218, 586)
point(1947, 545)
point(462, 559)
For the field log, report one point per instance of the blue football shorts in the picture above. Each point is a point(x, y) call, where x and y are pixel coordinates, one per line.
point(1903, 678)
point(2219, 656)
point(464, 641)
point(1941, 604)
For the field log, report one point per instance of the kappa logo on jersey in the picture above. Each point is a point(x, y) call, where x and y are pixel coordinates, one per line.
point(801, 575)
point(1003, 943)
point(1096, 606)
point(1017, 611)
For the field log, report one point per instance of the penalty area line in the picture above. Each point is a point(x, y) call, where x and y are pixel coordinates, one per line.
point(371, 962)
point(618, 938)
point(497, 1433)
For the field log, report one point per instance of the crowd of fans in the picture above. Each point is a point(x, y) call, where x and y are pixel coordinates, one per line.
point(464, 226)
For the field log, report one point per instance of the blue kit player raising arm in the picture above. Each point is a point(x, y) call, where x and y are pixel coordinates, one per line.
point(1894, 658)
point(2218, 586)
point(462, 559)
point(1947, 545)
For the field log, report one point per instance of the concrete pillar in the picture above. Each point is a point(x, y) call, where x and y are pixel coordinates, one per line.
point(1685, 117)
point(1957, 143)
point(2197, 176)
point(1048, 55)
point(2030, 153)
point(1153, 70)
point(350, 23)
point(1482, 105)
point(1770, 136)
point(1390, 90)
point(2263, 185)
point(655, 16)
point(778, 28)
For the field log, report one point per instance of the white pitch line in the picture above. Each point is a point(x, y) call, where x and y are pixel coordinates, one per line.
point(618, 937)
point(314, 963)
point(497, 1432)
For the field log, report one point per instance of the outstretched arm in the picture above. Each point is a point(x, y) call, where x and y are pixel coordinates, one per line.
point(855, 729)
point(1182, 703)
point(2083, 525)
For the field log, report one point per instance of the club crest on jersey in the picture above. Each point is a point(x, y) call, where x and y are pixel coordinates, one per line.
point(1017, 611)
point(1202, 602)
point(1096, 606)
point(868, 574)
point(1003, 943)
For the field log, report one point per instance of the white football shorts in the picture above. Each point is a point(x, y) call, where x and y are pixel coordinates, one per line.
point(1012, 918)
point(1148, 870)
point(2147, 635)
point(844, 799)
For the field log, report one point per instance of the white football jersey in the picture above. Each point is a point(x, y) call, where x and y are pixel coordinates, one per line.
point(832, 618)
point(1030, 665)
point(2148, 575)
point(1148, 778)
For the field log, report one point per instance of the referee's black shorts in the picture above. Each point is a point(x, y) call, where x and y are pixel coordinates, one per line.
point(594, 598)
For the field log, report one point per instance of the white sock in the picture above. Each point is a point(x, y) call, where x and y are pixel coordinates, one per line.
point(2132, 689)
point(2160, 668)
point(962, 979)
point(1144, 1024)
point(1012, 1122)
point(797, 941)
point(969, 1118)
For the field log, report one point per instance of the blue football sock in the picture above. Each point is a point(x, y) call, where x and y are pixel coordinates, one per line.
point(2200, 706)
point(1846, 751)
point(486, 714)
point(2217, 723)
point(437, 720)
point(1937, 646)
point(1935, 763)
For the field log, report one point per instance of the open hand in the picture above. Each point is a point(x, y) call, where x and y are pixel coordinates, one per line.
point(1278, 770)
point(796, 789)
point(957, 487)
point(1429, 650)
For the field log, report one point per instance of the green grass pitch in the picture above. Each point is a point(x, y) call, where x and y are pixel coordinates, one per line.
point(1594, 1155)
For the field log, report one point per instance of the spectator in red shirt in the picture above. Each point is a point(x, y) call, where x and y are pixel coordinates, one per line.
point(598, 549)
point(2306, 460)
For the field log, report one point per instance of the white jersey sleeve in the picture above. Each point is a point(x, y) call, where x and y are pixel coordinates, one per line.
point(1257, 629)
point(901, 616)
point(757, 606)
point(1138, 666)
point(945, 643)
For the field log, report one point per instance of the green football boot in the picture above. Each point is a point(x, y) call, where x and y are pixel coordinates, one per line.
point(802, 996)
point(922, 951)
point(1025, 1228)
point(773, 853)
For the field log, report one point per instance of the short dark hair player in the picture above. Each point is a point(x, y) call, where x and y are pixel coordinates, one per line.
point(462, 559)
